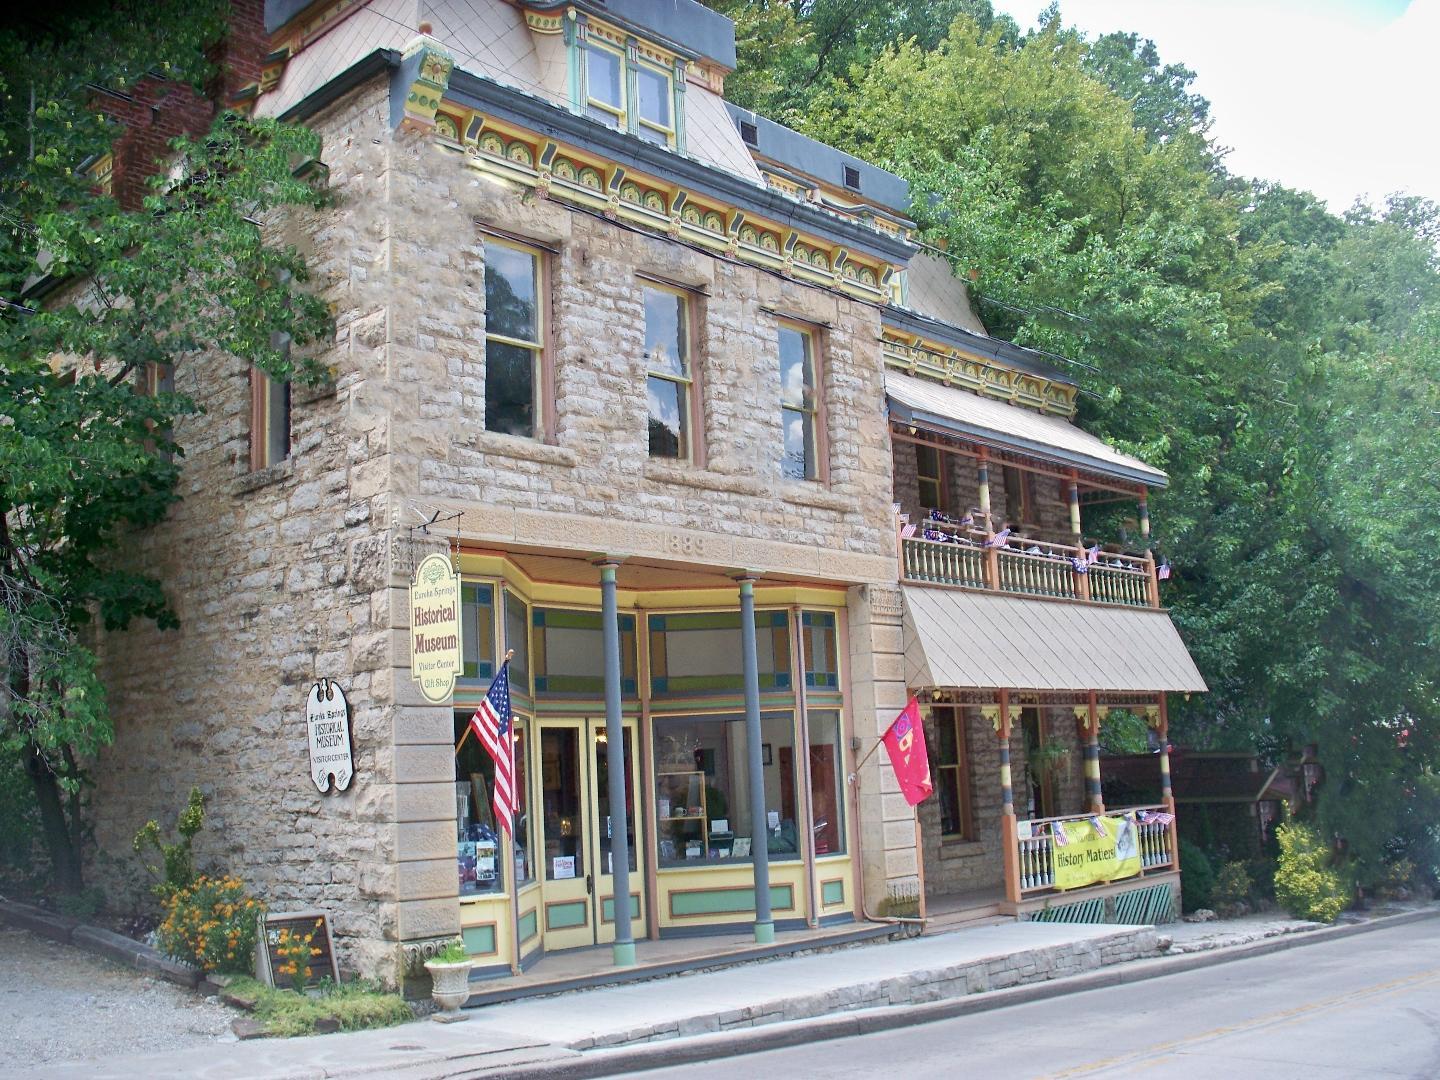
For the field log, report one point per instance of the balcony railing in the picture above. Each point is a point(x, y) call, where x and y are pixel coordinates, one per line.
point(948, 553)
point(1156, 839)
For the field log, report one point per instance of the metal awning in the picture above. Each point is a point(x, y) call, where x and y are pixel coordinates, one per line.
point(964, 638)
point(958, 412)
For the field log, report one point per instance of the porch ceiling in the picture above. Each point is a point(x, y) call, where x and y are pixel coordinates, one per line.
point(959, 412)
point(956, 637)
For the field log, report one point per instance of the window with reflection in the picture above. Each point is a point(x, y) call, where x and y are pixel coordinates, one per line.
point(667, 364)
point(481, 844)
point(798, 459)
point(702, 790)
point(513, 338)
point(654, 103)
point(827, 782)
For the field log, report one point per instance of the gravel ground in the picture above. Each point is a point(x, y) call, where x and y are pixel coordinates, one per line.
point(58, 1003)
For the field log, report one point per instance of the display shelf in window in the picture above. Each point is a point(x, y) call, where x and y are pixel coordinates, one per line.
point(683, 831)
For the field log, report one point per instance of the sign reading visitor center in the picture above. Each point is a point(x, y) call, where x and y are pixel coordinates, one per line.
point(327, 716)
point(435, 628)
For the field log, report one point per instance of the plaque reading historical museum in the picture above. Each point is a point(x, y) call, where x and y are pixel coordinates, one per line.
point(327, 716)
point(435, 628)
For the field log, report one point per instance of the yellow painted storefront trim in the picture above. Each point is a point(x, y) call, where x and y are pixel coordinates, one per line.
point(718, 880)
point(832, 870)
point(493, 911)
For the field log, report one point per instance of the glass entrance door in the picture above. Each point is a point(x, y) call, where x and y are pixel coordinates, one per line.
point(577, 832)
point(609, 833)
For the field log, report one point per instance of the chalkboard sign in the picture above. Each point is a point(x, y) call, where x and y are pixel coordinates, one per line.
point(283, 949)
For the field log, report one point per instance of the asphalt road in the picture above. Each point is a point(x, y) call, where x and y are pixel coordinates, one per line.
point(1363, 1006)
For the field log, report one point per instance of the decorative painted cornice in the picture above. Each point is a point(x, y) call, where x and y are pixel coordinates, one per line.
point(545, 146)
point(915, 355)
point(425, 69)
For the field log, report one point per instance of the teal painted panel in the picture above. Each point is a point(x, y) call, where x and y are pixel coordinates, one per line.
point(727, 901)
point(529, 926)
point(832, 892)
point(479, 940)
point(607, 908)
point(566, 916)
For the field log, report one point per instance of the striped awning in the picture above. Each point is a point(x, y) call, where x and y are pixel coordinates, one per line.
point(965, 638)
point(947, 409)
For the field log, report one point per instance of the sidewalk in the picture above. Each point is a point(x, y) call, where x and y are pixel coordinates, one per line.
point(787, 1000)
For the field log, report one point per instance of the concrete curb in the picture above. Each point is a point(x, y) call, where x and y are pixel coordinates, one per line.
point(93, 939)
point(671, 1052)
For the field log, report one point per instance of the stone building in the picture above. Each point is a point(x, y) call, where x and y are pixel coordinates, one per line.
point(605, 339)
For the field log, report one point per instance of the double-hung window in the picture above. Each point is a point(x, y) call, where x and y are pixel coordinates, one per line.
point(798, 407)
point(669, 385)
point(951, 769)
point(605, 85)
point(514, 328)
point(930, 477)
point(654, 104)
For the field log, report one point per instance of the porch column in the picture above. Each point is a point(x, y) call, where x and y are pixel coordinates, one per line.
point(1010, 835)
point(624, 947)
point(1073, 494)
point(760, 832)
point(1167, 793)
point(1092, 757)
point(1144, 514)
point(982, 480)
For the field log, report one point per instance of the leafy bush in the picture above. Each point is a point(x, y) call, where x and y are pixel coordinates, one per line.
point(355, 1005)
point(177, 869)
point(82, 905)
point(1262, 880)
point(1306, 884)
point(212, 924)
point(1233, 887)
point(1197, 877)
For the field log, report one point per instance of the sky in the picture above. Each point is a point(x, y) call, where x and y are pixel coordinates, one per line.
point(1338, 97)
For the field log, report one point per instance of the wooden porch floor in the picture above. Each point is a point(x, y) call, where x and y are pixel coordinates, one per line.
point(977, 907)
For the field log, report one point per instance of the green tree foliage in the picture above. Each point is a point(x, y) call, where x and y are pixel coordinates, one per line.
point(1306, 883)
point(85, 455)
point(1277, 359)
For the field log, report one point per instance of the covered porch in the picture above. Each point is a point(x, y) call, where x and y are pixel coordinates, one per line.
point(1016, 693)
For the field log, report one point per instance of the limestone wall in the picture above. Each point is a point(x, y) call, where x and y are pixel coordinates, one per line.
point(278, 578)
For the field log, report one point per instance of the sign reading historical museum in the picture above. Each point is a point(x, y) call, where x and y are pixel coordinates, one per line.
point(435, 628)
point(327, 716)
point(1094, 850)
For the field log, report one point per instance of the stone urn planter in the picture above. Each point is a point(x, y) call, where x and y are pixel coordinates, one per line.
point(449, 987)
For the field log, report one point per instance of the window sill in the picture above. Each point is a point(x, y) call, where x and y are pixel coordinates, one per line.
point(514, 446)
point(960, 849)
point(303, 394)
point(260, 478)
point(687, 475)
point(813, 493)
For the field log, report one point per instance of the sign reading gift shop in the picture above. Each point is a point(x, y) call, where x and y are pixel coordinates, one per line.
point(1092, 853)
point(435, 628)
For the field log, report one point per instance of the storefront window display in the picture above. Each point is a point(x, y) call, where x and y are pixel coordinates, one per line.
point(702, 790)
point(480, 842)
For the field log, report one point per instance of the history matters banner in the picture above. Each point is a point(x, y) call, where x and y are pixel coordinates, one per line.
point(435, 628)
point(1093, 850)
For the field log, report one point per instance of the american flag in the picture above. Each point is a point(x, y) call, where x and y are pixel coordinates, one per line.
point(492, 724)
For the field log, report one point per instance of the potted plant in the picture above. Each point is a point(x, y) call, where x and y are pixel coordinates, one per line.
point(450, 981)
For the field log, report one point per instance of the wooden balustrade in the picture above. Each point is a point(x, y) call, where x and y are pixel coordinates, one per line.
point(1038, 570)
point(1026, 566)
point(1037, 850)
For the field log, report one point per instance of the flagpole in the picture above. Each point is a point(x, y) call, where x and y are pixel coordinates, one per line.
point(509, 855)
point(880, 741)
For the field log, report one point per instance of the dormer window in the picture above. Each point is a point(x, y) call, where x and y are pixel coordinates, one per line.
point(852, 178)
point(626, 87)
point(749, 133)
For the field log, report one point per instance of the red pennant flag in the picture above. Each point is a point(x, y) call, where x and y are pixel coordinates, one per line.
point(905, 740)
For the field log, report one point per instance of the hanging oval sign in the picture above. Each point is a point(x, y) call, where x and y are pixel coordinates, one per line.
point(435, 628)
point(327, 716)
